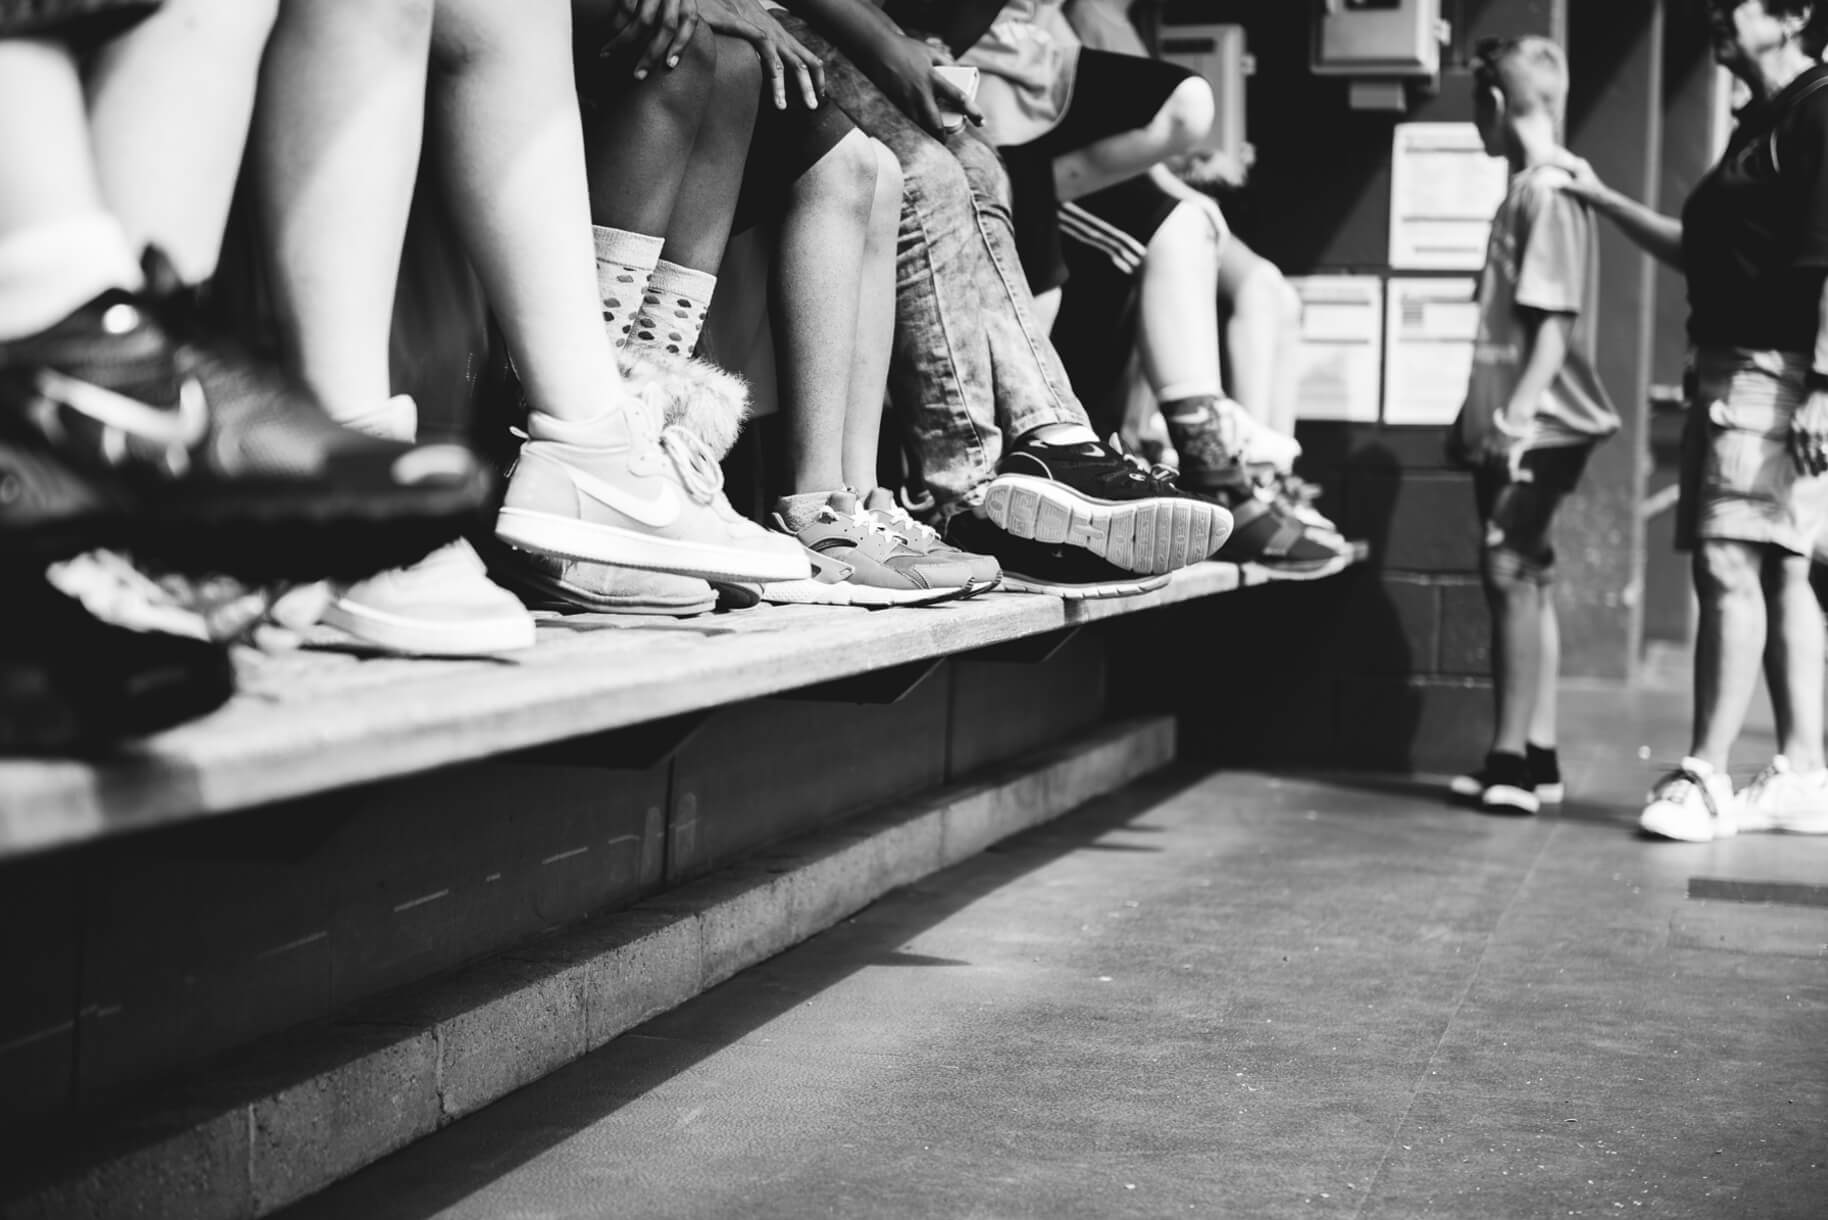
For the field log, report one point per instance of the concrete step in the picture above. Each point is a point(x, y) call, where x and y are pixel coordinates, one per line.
point(295, 1115)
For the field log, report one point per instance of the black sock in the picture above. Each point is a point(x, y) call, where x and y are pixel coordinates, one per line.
point(1545, 765)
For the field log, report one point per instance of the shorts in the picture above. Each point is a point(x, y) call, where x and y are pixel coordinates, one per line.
point(1112, 94)
point(1738, 480)
point(1104, 237)
point(785, 145)
point(1517, 515)
point(81, 23)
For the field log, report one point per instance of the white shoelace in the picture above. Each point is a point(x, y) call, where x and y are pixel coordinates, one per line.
point(698, 470)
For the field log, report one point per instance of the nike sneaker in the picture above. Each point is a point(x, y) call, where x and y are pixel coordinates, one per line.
point(655, 504)
point(1090, 496)
point(127, 426)
point(986, 572)
point(568, 586)
point(443, 606)
point(883, 569)
point(1052, 569)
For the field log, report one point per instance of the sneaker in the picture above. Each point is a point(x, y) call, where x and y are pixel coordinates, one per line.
point(881, 504)
point(1693, 804)
point(1267, 538)
point(1545, 777)
point(1089, 496)
point(1782, 798)
point(546, 582)
point(128, 427)
point(883, 570)
point(639, 503)
point(1506, 785)
point(443, 606)
point(70, 682)
point(1054, 569)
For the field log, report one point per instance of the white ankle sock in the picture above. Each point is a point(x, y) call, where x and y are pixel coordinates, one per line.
point(673, 308)
point(625, 264)
point(48, 271)
point(610, 427)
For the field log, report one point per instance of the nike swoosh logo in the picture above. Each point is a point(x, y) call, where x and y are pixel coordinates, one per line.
point(657, 511)
point(183, 427)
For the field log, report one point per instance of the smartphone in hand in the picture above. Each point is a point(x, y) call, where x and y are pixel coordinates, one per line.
point(965, 81)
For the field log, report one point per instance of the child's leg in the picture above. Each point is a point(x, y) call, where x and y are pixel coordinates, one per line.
point(1260, 335)
point(1178, 326)
point(818, 271)
point(1543, 728)
point(700, 225)
point(169, 103)
point(1515, 602)
point(59, 246)
point(1729, 643)
point(338, 130)
point(875, 334)
point(505, 120)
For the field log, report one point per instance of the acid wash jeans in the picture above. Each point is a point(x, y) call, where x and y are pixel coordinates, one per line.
point(971, 365)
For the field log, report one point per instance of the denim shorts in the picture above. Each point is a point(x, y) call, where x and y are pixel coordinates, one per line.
point(1739, 482)
point(79, 22)
point(1518, 513)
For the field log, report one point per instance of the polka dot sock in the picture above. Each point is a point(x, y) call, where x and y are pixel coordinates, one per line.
point(673, 309)
point(625, 263)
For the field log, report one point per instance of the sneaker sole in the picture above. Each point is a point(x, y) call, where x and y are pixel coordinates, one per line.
point(1320, 571)
point(1503, 798)
point(416, 637)
point(541, 594)
point(1148, 537)
point(1076, 593)
point(843, 593)
point(1665, 827)
point(1470, 788)
point(569, 538)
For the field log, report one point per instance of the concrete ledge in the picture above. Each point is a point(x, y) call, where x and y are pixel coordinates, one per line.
point(312, 1108)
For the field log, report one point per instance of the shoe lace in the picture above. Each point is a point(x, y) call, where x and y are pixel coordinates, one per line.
point(698, 470)
point(1155, 472)
point(906, 527)
point(1676, 786)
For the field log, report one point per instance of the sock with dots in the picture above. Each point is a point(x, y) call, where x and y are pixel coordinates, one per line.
point(625, 263)
point(673, 309)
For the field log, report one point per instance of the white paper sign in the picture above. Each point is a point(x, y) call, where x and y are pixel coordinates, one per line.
point(1339, 357)
point(1428, 348)
point(1444, 190)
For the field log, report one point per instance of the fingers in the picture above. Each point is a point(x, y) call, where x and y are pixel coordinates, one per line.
point(683, 35)
point(776, 70)
point(659, 47)
point(807, 66)
point(951, 97)
point(809, 92)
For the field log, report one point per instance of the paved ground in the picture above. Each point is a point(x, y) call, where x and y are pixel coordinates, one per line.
point(1232, 995)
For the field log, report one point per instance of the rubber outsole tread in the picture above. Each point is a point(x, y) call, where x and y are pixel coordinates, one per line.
point(1147, 537)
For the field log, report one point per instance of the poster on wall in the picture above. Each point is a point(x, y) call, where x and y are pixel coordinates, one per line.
point(1428, 347)
point(1339, 357)
point(1444, 190)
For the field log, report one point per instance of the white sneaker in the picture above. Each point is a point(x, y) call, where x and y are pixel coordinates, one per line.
point(639, 503)
point(1785, 799)
point(444, 605)
point(1692, 804)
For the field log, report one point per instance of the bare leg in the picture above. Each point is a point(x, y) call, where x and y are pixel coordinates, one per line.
point(1728, 644)
point(505, 118)
point(700, 227)
point(1794, 657)
point(875, 326)
point(1047, 309)
point(49, 164)
point(338, 128)
point(170, 103)
point(1260, 335)
point(1183, 121)
point(1178, 324)
point(818, 273)
point(1544, 725)
point(1515, 602)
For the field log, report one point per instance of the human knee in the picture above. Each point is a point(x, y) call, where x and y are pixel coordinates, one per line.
point(1186, 117)
point(936, 177)
point(738, 78)
point(1184, 238)
point(1727, 569)
point(845, 177)
point(888, 172)
point(1510, 570)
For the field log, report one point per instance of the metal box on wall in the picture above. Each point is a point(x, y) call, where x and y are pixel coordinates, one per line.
point(1382, 38)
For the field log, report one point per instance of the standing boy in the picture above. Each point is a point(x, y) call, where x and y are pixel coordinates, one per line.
point(1534, 406)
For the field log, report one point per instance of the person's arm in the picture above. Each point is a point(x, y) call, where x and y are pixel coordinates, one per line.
point(1656, 234)
point(900, 66)
point(1545, 350)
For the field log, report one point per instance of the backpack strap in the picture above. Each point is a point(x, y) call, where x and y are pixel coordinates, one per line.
point(1810, 90)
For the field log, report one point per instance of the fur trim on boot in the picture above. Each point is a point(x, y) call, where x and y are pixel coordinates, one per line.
point(692, 393)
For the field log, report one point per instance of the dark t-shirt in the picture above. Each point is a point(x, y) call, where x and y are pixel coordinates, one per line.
point(1755, 231)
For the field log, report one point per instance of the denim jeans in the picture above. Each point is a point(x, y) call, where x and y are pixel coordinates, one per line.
point(970, 362)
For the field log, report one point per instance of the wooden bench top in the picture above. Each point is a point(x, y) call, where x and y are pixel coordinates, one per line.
point(325, 717)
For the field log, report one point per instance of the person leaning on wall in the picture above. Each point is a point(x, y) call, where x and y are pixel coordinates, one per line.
point(1752, 241)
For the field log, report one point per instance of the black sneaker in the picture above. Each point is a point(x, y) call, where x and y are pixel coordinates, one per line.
point(1091, 497)
point(126, 427)
point(1051, 568)
point(1503, 785)
point(70, 682)
point(1545, 777)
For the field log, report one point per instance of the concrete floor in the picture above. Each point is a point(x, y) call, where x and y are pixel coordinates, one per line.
point(1234, 995)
